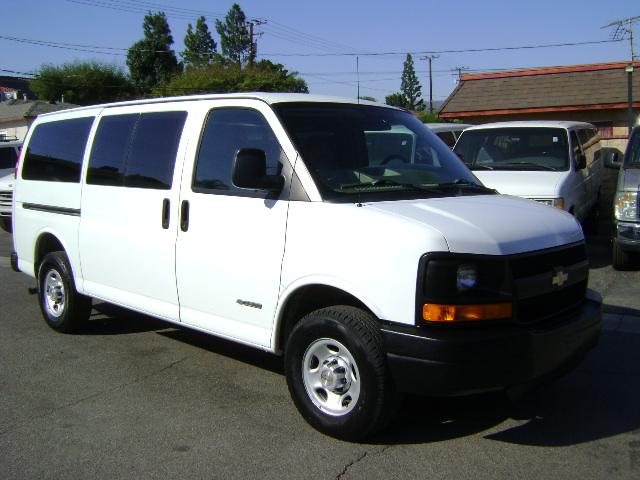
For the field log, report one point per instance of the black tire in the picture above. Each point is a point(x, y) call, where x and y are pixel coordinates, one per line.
point(620, 259)
point(63, 308)
point(5, 224)
point(353, 329)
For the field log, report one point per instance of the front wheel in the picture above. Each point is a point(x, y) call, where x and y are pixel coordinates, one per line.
point(620, 259)
point(336, 372)
point(63, 308)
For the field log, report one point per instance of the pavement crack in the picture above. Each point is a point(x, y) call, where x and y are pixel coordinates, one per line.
point(93, 395)
point(348, 466)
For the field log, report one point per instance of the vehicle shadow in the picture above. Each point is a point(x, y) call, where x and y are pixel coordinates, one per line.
point(597, 400)
point(109, 319)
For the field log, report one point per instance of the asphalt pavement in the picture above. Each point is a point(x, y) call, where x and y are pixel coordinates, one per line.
point(135, 397)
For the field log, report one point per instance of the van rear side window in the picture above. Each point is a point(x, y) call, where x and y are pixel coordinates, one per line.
point(136, 150)
point(56, 149)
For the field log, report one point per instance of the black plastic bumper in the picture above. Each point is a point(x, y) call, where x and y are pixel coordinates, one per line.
point(459, 361)
point(14, 262)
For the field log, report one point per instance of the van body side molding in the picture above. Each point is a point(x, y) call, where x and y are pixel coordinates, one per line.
point(75, 212)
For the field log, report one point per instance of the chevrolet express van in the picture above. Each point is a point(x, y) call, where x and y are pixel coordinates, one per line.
point(304, 226)
point(552, 162)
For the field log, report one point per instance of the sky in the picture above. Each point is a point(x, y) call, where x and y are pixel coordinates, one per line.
point(329, 42)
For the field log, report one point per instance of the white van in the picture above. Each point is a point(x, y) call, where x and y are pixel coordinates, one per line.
point(286, 222)
point(552, 162)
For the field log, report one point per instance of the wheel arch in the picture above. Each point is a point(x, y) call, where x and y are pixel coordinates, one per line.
point(45, 243)
point(297, 302)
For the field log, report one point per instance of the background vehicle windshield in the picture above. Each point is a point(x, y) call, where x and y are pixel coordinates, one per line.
point(368, 153)
point(522, 148)
point(8, 157)
point(632, 158)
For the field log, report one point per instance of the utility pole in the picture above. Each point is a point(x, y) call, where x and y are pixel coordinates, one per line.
point(459, 70)
point(253, 44)
point(430, 58)
point(358, 76)
point(624, 29)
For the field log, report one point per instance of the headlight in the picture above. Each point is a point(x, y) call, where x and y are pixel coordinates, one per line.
point(552, 202)
point(626, 206)
point(466, 277)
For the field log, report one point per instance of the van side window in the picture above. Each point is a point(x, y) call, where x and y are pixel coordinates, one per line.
point(56, 150)
point(575, 145)
point(110, 148)
point(136, 150)
point(153, 150)
point(227, 131)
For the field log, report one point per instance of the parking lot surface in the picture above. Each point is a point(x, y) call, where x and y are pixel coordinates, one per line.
point(134, 397)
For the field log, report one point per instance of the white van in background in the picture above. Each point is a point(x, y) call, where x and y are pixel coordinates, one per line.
point(552, 162)
point(345, 236)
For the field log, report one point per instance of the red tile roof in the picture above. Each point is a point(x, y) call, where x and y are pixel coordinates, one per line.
point(551, 89)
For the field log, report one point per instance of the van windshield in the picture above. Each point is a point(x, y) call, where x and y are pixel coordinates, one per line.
point(522, 148)
point(370, 153)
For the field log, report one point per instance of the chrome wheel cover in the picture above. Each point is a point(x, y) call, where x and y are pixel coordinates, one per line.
point(331, 377)
point(54, 294)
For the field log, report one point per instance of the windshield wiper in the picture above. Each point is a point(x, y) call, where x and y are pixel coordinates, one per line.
point(463, 184)
point(382, 182)
point(479, 167)
point(537, 166)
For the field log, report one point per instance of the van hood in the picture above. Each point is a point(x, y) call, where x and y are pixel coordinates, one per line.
point(489, 224)
point(630, 180)
point(529, 184)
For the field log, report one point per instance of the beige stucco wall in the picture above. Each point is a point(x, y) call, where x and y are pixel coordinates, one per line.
point(15, 128)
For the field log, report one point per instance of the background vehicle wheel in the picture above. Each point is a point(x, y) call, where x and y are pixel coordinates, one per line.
point(63, 308)
point(5, 224)
point(621, 259)
point(336, 372)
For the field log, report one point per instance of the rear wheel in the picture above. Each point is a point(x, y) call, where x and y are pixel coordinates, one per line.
point(336, 372)
point(63, 308)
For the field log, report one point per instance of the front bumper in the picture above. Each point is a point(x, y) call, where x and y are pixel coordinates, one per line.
point(466, 360)
point(627, 236)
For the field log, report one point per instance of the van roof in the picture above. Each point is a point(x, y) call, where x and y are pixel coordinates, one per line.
point(533, 124)
point(269, 98)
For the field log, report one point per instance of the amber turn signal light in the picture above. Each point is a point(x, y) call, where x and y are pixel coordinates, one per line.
point(433, 312)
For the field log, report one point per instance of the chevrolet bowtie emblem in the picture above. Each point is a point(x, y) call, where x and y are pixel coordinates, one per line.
point(559, 278)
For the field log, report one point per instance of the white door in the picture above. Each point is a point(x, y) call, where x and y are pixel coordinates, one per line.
point(229, 255)
point(129, 208)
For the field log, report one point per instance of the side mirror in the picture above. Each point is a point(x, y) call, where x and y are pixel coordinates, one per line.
point(581, 161)
point(613, 160)
point(250, 171)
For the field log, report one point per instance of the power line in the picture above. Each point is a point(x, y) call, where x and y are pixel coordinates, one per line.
point(431, 52)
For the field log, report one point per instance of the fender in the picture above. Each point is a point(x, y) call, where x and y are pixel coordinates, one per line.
point(320, 280)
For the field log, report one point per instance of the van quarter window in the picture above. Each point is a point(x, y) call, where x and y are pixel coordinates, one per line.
point(136, 150)
point(56, 149)
point(227, 131)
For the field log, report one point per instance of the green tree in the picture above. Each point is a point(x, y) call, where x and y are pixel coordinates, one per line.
point(220, 77)
point(410, 86)
point(82, 83)
point(234, 36)
point(200, 47)
point(397, 99)
point(151, 61)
